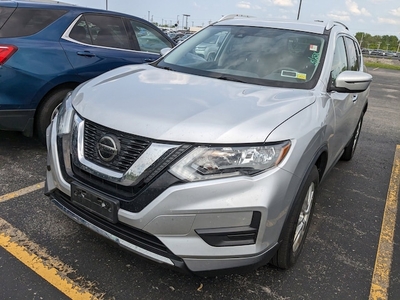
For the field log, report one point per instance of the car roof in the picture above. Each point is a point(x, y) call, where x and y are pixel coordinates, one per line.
point(316, 26)
point(37, 2)
point(61, 5)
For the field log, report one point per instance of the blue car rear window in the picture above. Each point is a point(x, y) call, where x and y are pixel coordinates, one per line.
point(5, 13)
point(28, 21)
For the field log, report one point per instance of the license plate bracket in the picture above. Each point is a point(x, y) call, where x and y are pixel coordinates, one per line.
point(95, 202)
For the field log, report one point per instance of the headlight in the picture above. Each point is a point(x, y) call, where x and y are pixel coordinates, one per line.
point(65, 116)
point(218, 162)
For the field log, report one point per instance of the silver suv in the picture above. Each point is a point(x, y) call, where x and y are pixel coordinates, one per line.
point(211, 165)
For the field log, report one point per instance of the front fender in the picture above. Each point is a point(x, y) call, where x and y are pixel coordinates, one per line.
point(309, 131)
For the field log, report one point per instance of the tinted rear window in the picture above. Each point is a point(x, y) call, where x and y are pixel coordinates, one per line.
point(28, 21)
point(5, 13)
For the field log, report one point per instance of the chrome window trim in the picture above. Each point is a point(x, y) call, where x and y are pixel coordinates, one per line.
point(66, 37)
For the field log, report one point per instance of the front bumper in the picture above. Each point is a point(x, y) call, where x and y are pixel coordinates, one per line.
point(147, 246)
point(173, 229)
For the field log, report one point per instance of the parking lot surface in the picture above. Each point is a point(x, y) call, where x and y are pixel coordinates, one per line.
point(338, 260)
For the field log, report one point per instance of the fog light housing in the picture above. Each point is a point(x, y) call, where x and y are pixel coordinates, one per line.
point(232, 236)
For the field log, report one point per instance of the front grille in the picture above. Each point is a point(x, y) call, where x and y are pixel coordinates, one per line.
point(111, 188)
point(131, 147)
point(135, 197)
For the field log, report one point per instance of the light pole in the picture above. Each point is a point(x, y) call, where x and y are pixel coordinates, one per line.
point(185, 15)
point(298, 13)
point(106, 4)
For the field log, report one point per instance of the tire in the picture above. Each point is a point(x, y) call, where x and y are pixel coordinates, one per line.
point(46, 112)
point(352, 144)
point(297, 224)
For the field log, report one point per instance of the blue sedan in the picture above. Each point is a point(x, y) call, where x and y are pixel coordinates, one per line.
point(46, 50)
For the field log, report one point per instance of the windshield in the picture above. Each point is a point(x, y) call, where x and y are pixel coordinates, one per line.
point(266, 56)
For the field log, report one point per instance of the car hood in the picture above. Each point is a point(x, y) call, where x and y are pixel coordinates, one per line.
point(171, 106)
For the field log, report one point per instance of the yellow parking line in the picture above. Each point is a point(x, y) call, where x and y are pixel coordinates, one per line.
point(21, 192)
point(381, 275)
point(49, 268)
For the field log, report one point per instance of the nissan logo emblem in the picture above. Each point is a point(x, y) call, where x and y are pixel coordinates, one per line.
point(107, 148)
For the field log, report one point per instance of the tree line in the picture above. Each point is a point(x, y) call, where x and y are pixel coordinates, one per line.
point(384, 42)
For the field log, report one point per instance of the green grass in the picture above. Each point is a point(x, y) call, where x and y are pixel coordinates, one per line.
point(374, 65)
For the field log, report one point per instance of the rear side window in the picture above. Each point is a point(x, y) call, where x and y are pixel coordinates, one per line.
point(5, 13)
point(28, 21)
point(81, 31)
point(106, 31)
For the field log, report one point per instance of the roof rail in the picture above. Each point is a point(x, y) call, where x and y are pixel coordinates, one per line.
point(233, 16)
point(337, 22)
point(332, 23)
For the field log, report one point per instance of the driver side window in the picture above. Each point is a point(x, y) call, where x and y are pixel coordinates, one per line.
point(339, 59)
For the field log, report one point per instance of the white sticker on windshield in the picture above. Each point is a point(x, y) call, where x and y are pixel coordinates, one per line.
point(293, 74)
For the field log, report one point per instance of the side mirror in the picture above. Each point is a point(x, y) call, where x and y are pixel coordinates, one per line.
point(351, 82)
point(164, 51)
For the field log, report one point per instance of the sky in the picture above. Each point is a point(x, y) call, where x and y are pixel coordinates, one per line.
point(376, 17)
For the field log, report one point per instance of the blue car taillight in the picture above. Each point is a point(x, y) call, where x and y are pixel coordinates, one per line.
point(6, 51)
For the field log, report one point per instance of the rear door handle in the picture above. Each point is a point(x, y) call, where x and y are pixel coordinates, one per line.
point(86, 53)
point(149, 59)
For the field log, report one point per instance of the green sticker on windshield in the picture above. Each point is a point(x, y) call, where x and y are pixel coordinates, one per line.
point(314, 59)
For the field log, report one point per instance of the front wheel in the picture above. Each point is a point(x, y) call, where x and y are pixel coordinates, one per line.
point(296, 227)
point(47, 111)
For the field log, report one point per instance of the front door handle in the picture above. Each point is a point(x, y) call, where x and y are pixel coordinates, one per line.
point(355, 97)
point(86, 53)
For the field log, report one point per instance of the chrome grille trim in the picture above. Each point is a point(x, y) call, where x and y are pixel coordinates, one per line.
point(131, 147)
point(154, 153)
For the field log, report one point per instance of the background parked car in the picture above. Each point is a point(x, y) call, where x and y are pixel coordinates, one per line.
point(392, 54)
point(46, 50)
point(366, 51)
point(183, 37)
point(378, 52)
point(209, 48)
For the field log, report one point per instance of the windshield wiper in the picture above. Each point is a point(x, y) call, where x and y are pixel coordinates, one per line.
point(166, 68)
point(230, 78)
